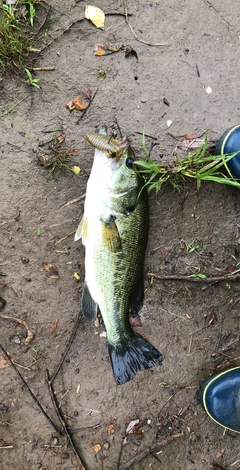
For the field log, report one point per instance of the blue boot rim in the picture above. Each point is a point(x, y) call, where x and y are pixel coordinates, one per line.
point(220, 398)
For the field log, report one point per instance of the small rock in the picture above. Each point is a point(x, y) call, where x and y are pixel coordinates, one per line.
point(106, 445)
point(16, 340)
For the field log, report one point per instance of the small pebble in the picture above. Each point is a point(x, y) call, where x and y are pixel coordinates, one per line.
point(106, 445)
point(16, 340)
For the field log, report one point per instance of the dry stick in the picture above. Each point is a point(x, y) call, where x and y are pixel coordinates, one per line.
point(89, 104)
point(73, 201)
point(148, 451)
point(56, 407)
point(30, 335)
point(135, 35)
point(176, 277)
point(67, 348)
point(30, 391)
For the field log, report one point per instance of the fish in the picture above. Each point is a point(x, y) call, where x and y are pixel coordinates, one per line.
point(114, 230)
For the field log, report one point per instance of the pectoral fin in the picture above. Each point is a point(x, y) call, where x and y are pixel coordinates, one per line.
point(82, 230)
point(110, 236)
point(89, 307)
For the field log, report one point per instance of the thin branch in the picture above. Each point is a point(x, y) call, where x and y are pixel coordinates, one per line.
point(148, 451)
point(89, 104)
point(135, 35)
point(67, 348)
point(56, 407)
point(30, 391)
point(178, 277)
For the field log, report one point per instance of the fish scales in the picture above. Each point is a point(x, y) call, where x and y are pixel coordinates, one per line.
point(114, 230)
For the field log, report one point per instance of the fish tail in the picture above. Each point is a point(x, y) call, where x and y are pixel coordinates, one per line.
point(130, 356)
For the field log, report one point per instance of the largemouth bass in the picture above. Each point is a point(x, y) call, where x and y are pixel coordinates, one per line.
point(114, 231)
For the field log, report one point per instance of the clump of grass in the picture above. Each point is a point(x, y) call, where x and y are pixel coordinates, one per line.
point(196, 165)
point(57, 157)
point(16, 39)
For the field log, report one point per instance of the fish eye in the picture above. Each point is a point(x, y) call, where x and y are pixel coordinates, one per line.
point(129, 162)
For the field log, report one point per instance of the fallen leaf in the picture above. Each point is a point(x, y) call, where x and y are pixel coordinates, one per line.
point(70, 105)
point(191, 136)
point(4, 362)
point(220, 454)
point(79, 104)
point(51, 269)
point(131, 425)
point(100, 49)
point(230, 268)
point(95, 15)
point(77, 277)
point(76, 170)
point(186, 144)
point(61, 138)
point(88, 94)
point(97, 448)
point(110, 429)
point(72, 153)
point(54, 326)
point(129, 51)
point(45, 160)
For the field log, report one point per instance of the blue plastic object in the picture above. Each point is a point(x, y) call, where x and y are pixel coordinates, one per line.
point(220, 398)
point(230, 143)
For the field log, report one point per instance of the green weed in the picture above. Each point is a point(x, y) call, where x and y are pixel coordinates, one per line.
point(197, 165)
point(16, 38)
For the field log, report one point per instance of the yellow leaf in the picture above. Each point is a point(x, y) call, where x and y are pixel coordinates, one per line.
point(76, 169)
point(95, 15)
point(77, 277)
point(97, 448)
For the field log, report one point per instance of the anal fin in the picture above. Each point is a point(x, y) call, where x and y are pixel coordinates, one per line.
point(89, 307)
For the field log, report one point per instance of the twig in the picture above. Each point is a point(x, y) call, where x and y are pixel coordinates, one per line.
point(178, 277)
point(6, 447)
point(135, 35)
point(30, 391)
point(80, 198)
point(89, 104)
point(30, 335)
point(64, 238)
point(148, 451)
point(47, 69)
point(67, 348)
point(56, 407)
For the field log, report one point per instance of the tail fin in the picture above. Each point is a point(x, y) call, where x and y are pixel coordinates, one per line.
point(133, 355)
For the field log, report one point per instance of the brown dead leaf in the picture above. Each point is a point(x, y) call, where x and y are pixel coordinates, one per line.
point(101, 49)
point(54, 326)
point(79, 104)
point(44, 160)
point(61, 138)
point(72, 153)
point(51, 270)
point(4, 362)
point(193, 144)
point(97, 448)
point(220, 454)
point(129, 51)
point(191, 136)
point(70, 105)
point(88, 94)
point(110, 429)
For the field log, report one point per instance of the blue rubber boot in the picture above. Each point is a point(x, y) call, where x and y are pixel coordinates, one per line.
point(220, 398)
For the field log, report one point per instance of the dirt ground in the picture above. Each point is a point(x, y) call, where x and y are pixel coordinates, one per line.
point(194, 325)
